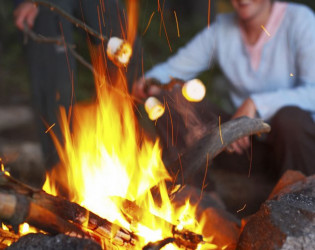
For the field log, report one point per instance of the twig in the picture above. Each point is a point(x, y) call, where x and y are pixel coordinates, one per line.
point(58, 41)
point(71, 18)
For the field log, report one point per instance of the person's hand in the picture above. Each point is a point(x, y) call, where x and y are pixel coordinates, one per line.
point(141, 91)
point(248, 108)
point(25, 12)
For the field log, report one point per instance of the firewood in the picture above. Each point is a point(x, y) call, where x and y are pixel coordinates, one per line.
point(55, 214)
point(219, 138)
point(6, 238)
point(16, 209)
point(183, 237)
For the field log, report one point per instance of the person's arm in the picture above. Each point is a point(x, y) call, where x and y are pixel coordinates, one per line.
point(302, 34)
point(190, 60)
point(25, 12)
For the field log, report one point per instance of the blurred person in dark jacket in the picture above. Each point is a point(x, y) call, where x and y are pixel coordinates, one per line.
point(53, 71)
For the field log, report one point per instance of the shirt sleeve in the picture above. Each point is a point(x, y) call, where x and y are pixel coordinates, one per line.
point(302, 33)
point(190, 60)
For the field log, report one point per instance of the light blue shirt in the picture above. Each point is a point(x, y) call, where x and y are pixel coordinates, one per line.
point(278, 71)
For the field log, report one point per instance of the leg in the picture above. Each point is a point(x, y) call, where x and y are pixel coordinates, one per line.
point(50, 73)
point(292, 141)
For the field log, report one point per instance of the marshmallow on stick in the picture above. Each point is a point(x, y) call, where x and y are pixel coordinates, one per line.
point(154, 108)
point(119, 51)
point(194, 90)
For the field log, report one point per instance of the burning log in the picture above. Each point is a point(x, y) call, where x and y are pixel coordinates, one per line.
point(181, 237)
point(218, 139)
point(17, 209)
point(20, 203)
point(55, 215)
point(6, 238)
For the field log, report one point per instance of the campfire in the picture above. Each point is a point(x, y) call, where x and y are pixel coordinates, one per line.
point(114, 176)
point(111, 186)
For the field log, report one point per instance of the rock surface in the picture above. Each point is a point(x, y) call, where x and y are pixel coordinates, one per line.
point(58, 242)
point(286, 220)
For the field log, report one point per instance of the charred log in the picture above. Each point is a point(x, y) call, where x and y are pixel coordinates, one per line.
point(20, 203)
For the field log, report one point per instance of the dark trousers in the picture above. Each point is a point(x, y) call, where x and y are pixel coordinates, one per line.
point(53, 71)
point(53, 79)
point(291, 141)
point(289, 145)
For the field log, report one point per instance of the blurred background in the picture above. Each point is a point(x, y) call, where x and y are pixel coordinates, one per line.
point(191, 16)
point(19, 146)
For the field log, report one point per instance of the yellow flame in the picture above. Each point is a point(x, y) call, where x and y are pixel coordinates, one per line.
point(49, 186)
point(26, 228)
point(103, 157)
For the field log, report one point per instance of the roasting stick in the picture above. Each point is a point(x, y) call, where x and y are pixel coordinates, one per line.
point(195, 157)
point(71, 47)
point(72, 19)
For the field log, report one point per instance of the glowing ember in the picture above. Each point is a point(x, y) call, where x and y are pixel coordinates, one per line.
point(119, 51)
point(194, 90)
point(154, 108)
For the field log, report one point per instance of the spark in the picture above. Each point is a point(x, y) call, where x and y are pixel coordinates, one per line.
point(72, 97)
point(102, 11)
point(205, 176)
point(241, 209)
point(50, 128)
point(65, 47)
point(266, 31)
point(178, 34)
point(291, 74)
point(209, 4)
point(148, 23)
point(220, 130)
point(251, 156)
point(172, 126)
point(181, 168)
point(164, 27)
point(168, 41)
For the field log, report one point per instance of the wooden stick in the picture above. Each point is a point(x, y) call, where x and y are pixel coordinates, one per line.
point(194, 159)
point(70, 18)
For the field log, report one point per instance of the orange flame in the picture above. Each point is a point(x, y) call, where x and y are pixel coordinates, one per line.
point(104, 160)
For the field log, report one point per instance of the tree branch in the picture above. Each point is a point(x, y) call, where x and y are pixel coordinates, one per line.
point(70, 18)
